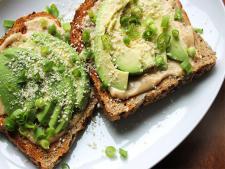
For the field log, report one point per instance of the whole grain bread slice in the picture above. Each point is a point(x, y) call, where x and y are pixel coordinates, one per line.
point(47, 159)
point(114, 109)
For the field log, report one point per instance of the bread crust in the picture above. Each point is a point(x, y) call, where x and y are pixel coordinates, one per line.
point(114, 109)
point(47, 159)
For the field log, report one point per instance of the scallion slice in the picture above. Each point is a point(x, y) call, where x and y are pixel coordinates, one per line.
point(178, 15)
point(191, 52)
point(199, 30)
point(175, 34)
point(123, 153)
point(110, 151)
point(165, 22)
point(8, 23)
point(66, 26)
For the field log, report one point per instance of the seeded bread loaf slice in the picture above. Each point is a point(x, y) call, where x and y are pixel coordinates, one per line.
point(114, 108)
point(47, 159)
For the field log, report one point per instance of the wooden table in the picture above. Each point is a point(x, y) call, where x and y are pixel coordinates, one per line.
point(205, 147)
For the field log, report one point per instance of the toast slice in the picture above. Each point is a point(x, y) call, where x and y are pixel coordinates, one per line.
point(115, 108)
point(47, 159)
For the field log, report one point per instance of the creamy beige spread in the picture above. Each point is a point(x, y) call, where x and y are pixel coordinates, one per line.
point(147, 82)
point(33, 25)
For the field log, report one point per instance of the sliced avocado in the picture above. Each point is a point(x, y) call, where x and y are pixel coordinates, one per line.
point(177, 52)
point(8, 86)
point(62, 50)
point(106, 12)
point(107, 72)
point(129, 62)
point(133, 60)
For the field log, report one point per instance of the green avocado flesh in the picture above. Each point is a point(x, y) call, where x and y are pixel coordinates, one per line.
point(43, 83)
point(107, 72)
point(136, 34)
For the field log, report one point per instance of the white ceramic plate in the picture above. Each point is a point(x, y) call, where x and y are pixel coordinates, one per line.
point(153, 131)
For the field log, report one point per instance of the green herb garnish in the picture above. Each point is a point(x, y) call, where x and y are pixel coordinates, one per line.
point(178, 15)
point(110, 151)
point(53, 10)
point(165, 22)
point(86, 35)
point(66, 26)
point(191, 52)
point(8, 23)
point(175, 34)
point(64, 165)
point(123, 153)
point(199, 30)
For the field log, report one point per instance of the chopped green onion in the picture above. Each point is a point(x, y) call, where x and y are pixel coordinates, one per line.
point(10, 124)
point(150, 32)
point(66, 27)
point(165, 22)
point(76, 73)
point(126, 40)
point(134, 20)
point(163, 41)
point(86, 35)
point(39, 133)
point(124, 21)
point(74, 57)
point(23, 131)
point(39, 103)
point(199, 30)
point(61, 69)
point(106, 42)
point(186, 65)
point(45, 51)
point(123, 153)
point(178, 15)
point(149, 22)
point(191, 52)
point(50, 132)
point(67, 37)
point(137, 12)
point(58, 35)
point(48, 65)
point(161, 62)
point(88, 53)
point(52, 29)
point(30, 125)
point(19, 116)
point(8, 23)
point(92, 16)
point(175, 34)
point(44, 144)
point(132, 32)
point(53, 10)
point(110, 151)
point(44, 23)
point(65, 166)
point(22, 77)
